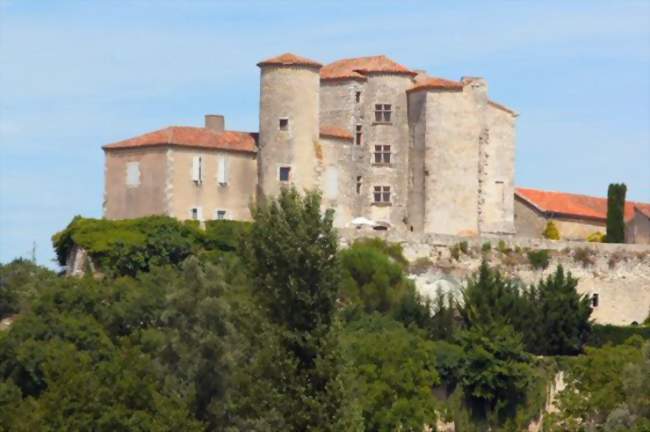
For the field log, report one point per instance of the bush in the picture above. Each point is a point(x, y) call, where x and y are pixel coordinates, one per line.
point(371, 279)
point(486, 247)
point(459, 248)
point(584, 256)
point(539, 259)
point(503, 247)
point(603, 334)
point(596, 237)
point(551, 232)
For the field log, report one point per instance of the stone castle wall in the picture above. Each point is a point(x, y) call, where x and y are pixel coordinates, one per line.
point(618, 273)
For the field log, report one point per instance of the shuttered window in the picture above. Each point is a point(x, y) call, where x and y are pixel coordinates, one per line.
point(222, 170)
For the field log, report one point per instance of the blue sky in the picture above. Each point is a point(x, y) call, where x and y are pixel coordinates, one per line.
point(78, 74)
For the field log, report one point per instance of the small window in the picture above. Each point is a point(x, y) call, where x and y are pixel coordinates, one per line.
point(594, 300)
point(284, 124)
point(381, 194)
point(133, 174)
point(359, 183)
point(382, 154)
point(357, 96)
point(220, 215)
point(196, 213)
point(358, 134)
point(383, 113)
point(284, 174)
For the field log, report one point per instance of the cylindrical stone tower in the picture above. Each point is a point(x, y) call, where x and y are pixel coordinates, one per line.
point(289, 126)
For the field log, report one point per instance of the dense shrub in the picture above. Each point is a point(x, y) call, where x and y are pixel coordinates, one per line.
point(371, 279)
point(20, 282)
point(603, 334)
point(539, 259)
point(126, 247)
point(596, 237)
point(394, 372)
point(550, 231)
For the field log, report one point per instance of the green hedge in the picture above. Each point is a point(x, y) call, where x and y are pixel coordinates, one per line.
point(615, 335)
point(132, 245)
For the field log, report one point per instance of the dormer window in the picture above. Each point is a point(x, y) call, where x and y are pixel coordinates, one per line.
point(383, 113)
point(283, 124)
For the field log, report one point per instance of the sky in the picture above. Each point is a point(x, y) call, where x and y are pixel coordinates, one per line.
point(75, 75)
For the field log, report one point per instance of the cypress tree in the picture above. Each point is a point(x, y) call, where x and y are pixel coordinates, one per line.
point(616, 213)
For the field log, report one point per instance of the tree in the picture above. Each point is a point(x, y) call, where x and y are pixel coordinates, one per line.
point(291, 254)
point(558, 318)
point(394, 371)
point(495, 372)
point(489, 298)
point(607, 389)
point(616, 213)
point(371, 279)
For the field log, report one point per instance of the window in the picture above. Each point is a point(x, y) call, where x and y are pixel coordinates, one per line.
point(197, 169)
point(133, 174)
point(358, 132)
point(359, 183)
point(357, 96)
point(382, 194)
point(220, 214)
point(196, 213)
point(284, 124)
point(594, 300)
point(222, 170)
point(382, 154)
point(284, 174)
point(382, 113)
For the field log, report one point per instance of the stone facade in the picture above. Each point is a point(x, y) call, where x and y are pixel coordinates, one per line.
point(402, 149)
point(637, 229)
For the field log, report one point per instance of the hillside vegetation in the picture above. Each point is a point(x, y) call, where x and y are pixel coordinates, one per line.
point(268, 326)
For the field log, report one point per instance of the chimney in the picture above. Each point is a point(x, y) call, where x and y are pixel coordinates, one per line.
point(215, 122)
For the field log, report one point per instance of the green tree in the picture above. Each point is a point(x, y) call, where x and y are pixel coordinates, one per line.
point(372, 280)
point(489, 298)
point(394, 371)
point(558, 317)
point(616, 213)
point(606, 389)
point(291, 254)
point(495, 373)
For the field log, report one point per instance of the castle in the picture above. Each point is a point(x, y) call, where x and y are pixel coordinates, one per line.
point(388, 146)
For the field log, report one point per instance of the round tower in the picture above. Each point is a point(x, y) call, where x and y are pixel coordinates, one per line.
point(289, 125)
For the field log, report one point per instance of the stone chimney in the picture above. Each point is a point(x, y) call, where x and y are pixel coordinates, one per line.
point(215, 122)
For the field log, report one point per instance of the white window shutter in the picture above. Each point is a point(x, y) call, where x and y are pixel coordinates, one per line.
point(222, 170)
point(196, 168)
point(200, 213)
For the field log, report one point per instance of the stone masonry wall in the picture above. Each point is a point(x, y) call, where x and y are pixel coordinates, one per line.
point(618, 273)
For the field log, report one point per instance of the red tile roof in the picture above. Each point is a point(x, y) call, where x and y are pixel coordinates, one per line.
point(503, 108)
point(574, 205)
point(335, 132)
point(433, 83)
point(359, 67)
point(288, 59)
point(187, 136)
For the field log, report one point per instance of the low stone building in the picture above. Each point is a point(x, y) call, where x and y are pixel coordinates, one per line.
point(384, 143)
point(185, 172)
point(637, 229)
point(576, 216)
